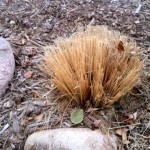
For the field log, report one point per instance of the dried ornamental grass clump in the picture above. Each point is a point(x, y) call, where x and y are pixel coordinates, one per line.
point(97, 65)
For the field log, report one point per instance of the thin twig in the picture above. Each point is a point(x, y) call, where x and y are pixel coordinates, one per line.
point(124, 126)
point(145, 137)
point(39, 124)
point(35, 43)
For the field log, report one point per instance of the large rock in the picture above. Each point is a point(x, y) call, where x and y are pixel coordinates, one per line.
point(7, 64)
point(71, 139)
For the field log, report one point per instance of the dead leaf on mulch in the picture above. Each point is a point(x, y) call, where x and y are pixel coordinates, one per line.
point(88, 122)
point(18, 100)
point(28, 74)
point(26, 121)
point(120, 46)
point(131, 118)
point(123, 133)
point(97, 123)
point(39, 118)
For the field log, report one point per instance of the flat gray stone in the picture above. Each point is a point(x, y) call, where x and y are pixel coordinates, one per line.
point(7, 64)
point(71, 139)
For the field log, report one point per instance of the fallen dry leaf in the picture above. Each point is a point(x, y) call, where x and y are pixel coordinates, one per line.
point(34, 52)
point(18, 100)
point(120, 46)
point(36, 94)
point(126, 142)
point(39, 118)
point(96, 123)
point(88, 122)
point(28, 74)
point(133, 116)
point(26, 121)
point(123, 133)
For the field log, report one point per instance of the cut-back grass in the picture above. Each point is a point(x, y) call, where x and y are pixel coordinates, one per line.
point(97, 65)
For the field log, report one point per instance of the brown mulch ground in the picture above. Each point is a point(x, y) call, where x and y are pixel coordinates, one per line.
point(30, 102)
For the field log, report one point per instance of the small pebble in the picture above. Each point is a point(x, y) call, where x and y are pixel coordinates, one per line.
point(12, 22)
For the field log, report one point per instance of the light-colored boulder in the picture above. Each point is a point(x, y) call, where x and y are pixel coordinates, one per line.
point(71, 139)
point(7, 64)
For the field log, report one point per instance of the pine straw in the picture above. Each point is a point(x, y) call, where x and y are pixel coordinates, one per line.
point(97, 65)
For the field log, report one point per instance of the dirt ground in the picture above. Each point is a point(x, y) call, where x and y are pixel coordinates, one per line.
point(32, 103)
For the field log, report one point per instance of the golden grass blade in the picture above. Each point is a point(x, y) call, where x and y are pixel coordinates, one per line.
point(94, 65)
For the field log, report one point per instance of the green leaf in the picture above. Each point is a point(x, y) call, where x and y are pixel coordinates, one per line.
point(77, 116)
